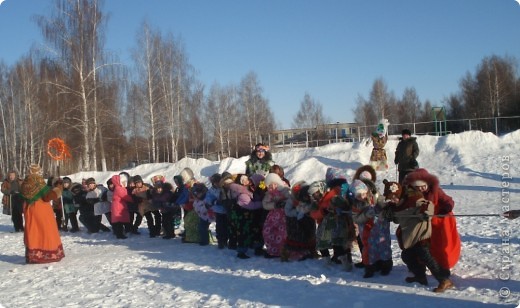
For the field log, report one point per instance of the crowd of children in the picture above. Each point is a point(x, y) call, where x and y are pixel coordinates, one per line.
point(264, 213)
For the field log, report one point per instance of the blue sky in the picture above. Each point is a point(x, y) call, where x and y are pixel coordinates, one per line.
point(331, 49)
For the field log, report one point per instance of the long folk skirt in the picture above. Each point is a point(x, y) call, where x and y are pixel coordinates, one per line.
point(41, 236)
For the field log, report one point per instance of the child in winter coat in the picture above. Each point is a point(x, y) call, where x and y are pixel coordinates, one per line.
point(301, 228)
point(162, 198)
point(214, 195)
point(68, 204)
point(202, 206)
point(142, 195)
point(332, 231)
point(241, 214)
point(374, 229)
point(274, 230)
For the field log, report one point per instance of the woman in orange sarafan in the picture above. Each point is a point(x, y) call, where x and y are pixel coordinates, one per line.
point(41, 237)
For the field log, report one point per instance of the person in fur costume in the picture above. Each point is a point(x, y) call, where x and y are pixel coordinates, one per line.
point(413, 214)
point(41, 236)
point(445, 240)
point(378, 159)
point(260, 160)
point(374, 230)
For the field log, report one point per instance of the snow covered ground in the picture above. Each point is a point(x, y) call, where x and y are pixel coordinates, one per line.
point(479, 170)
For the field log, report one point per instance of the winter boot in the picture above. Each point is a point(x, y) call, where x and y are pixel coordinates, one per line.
point(443, 286)
point(421, 280)
point(386, 267)
point(242, 255)
point(284, 255)
point(369, 271)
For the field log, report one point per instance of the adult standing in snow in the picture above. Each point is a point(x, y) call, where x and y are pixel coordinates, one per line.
point(12, 200)
point(260, 160)
point(445, 241)
point(41, 236)
point(406, 154)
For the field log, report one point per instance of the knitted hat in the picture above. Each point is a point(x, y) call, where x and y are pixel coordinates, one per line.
point(273, 178)
point(358, 187)
point(91, 181)
point(67, 180)
point(137, 178)
point(34, 187)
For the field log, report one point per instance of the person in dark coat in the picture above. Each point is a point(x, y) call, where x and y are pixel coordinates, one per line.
point(406, 154)
point(12, 200)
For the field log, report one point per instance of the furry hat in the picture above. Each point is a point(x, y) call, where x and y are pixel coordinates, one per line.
point(358, 187)
point(335, 176)
point(366, 172)
point(34, 187)
point(392, 190)
point(406, 131)
point(273, 178)
point(421, 174)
